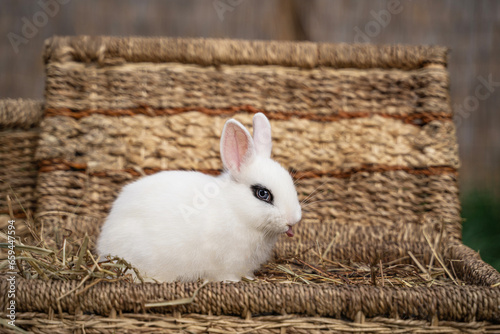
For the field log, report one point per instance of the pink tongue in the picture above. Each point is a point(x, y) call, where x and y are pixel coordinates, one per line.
point(289, 232)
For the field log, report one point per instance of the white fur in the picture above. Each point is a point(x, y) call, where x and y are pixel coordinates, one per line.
point(179, 225)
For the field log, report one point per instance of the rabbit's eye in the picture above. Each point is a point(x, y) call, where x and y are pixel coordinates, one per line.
point(262, 193)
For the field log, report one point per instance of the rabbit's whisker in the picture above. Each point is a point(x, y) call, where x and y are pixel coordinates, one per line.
point(313, 193)
point(295, 181)
point(311, 203)
point(310, 198)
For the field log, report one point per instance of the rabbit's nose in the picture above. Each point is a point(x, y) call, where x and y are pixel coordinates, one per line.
point(294, 218)
point(298, 215)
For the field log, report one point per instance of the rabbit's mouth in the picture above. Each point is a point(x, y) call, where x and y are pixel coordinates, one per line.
point(289, 232)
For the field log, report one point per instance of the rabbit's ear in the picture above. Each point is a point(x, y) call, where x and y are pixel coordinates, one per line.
point(236, 146)
point(262, 135)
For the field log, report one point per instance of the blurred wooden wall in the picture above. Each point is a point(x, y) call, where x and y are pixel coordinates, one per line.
point(470, 28)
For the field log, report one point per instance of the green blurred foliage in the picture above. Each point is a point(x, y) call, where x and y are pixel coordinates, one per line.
point(481, 229)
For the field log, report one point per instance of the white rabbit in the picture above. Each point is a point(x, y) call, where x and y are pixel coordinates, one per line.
point(184, 225)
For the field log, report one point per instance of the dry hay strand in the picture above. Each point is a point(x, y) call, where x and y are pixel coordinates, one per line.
point(30, 257)
point(396, 273)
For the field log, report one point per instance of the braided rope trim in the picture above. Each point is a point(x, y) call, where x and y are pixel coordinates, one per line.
point(51, 165)
point(418, 119)
point(107, 50)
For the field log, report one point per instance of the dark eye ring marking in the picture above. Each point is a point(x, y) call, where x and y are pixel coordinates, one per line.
point(262, 193)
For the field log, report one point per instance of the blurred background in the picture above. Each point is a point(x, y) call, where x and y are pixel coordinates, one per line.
point(470, 28)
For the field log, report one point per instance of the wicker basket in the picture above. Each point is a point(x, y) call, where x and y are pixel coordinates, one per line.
point(370, 126)
point(19, 134)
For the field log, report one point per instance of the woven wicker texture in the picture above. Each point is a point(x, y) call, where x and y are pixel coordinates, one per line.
point(441, 309)
point(115, 50)
point(191, 141)
point(132, 323)
point(466, 303)
point(365, 130)
point(267, 88)
point(19, 134)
